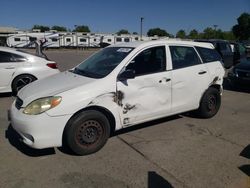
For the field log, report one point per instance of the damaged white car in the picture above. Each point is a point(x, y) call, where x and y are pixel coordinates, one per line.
point(119, 86)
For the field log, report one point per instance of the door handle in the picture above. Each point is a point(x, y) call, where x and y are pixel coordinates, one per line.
point(202, 72)
point(166, 80)
point(9, 67)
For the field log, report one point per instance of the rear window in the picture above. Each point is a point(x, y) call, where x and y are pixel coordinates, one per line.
point(208, 55)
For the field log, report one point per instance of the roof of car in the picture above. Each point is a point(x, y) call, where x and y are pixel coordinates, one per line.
point(7, 48)
point(165, 41)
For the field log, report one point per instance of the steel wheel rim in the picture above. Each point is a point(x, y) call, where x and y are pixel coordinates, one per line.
point(212, 103)
point(89, 133)
point(23, 82)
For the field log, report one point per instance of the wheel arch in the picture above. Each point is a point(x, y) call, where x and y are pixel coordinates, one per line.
point(216, 86)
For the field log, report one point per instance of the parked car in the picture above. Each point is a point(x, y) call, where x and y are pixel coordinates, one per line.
point(240, 52)
point(18, 68)
point(224, 49)
point(120, 86)
point(246, 44)
point(239, 76)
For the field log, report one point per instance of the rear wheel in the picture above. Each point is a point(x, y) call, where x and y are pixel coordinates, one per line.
point(87, 132)
point(210, 103)
point(21, 81)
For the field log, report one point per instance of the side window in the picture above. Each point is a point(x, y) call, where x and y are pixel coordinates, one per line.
point(224, 47)
point(18, 58)
point(183, 57)
point(151, 60)
point(119, 39)
point(208, 55)
point(5, 57)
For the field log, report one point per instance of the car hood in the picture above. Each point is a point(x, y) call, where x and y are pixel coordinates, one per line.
point(52, 85)
point(244, 64)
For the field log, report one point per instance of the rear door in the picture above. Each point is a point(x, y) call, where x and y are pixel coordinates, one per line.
point(190, 78)
point(9, 62)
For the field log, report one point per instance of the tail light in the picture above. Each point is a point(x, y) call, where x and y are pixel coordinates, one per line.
point(52, 65)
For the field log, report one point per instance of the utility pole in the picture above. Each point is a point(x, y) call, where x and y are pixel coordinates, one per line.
point(141, 26)
point(215, 27)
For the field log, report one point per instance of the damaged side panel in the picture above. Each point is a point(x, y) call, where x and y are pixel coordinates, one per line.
point(144, 97)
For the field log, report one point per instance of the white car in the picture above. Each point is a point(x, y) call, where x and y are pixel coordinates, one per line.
point(120, 86)
point(18, 69)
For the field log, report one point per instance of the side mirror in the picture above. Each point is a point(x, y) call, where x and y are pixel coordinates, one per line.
point(126, 74)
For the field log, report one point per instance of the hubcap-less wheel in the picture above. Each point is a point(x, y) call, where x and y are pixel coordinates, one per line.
point(210, 103)
point(88, 133)
point(23, 82)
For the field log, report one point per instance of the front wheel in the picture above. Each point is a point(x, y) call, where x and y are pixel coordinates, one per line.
point(87, 132)
point(210, 103)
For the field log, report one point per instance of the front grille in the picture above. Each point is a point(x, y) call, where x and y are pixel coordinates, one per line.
point(18, 103)
point(243, 73)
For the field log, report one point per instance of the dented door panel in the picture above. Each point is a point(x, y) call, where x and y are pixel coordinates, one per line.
point(145, 97)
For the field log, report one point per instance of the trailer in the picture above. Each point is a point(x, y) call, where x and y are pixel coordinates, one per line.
point(22, 40)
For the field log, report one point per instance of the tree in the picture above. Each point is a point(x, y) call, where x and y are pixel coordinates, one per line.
point(209, 33)
point(59, 28)
point(122, 31)
point(135, 33)
point(228, 35)
point(41, 27)
point(242, 29)
point(157, 31)
point(81, 28)
point(193, 34)
point(181, 34)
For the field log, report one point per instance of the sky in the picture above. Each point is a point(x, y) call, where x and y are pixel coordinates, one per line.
point(110, 16)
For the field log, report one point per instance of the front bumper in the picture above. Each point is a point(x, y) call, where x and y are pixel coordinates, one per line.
point(38, 131)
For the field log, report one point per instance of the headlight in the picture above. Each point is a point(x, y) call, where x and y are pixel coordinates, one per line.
point(41, 105)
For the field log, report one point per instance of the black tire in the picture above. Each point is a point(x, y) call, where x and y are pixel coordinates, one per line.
point(210, 103)
point(20, 81)
point(87, 132)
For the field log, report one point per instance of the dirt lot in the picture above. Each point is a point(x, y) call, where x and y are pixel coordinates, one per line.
point(179, 151)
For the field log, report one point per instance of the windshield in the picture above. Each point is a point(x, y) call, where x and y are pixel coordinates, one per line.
point(103, 62)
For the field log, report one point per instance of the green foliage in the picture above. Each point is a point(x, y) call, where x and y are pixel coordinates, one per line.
point(135, 33)
point(193, 34)
point(242, 29)
point(122, 31)
point(157, 31)
point(81, 28)
point(41, 27)
point(58, 28)
point(210, 33)
point(181, 34)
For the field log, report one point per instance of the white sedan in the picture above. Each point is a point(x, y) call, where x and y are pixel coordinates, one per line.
point(18, 68)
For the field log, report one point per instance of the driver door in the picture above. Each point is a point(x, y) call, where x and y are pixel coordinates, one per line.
point(148, 95)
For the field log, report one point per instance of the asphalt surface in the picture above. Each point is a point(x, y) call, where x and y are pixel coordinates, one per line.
point(180, 151)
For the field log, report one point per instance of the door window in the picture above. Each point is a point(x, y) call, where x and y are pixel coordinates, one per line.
point(6, 57)
point(183, 56)
point(149, 61)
